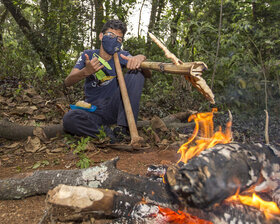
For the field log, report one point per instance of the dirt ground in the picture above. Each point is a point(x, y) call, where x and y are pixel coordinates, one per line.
point(22, 104)
point(30, 210)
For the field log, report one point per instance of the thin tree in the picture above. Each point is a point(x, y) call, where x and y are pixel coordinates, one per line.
point(99, 18)
point(140, 16)
point(218, 44)
point(35, 37)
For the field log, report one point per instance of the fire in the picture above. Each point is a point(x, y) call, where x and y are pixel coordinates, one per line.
point(207, 138)
point(267, 207)
point(180, 217)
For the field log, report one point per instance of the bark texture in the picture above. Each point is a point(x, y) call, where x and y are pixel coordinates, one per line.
point(14, 131)
point(218, 172)
point(103, 176)
point(99, 18)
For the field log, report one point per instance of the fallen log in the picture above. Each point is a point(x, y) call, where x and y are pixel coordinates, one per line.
point(106, 176)
point(15, 131)
point(77, 203)
point(219, 172)
point(68, 204)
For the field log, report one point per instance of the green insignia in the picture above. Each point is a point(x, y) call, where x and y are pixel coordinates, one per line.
point(102, 61)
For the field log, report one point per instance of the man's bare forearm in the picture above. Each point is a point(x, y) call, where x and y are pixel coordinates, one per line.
point(75, 76)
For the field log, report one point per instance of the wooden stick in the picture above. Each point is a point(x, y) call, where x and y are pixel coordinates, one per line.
point(135, 138)
point(168, 54)
point(188, 68)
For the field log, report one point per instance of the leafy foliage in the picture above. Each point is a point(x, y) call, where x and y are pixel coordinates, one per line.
point(247, 70)
point(79, 149)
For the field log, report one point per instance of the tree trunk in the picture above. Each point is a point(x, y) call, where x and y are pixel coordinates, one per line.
point(99, 17)
point(174, 25)
point(2, 20)
point(36, 39)
point(91, 23)
point(140, 16)
point(153, 15)
point(151, 24)
point(161, 6)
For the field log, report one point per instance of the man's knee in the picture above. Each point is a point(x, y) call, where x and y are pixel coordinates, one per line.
point(136, 77)
point(72, 120)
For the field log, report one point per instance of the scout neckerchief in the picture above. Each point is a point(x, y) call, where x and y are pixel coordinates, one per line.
point(100, 75)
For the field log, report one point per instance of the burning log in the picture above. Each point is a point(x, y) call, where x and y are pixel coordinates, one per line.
point(219, 172)
point(150, 213)
point(233, 213)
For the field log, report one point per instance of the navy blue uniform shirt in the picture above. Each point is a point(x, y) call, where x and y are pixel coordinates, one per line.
point(92, 85)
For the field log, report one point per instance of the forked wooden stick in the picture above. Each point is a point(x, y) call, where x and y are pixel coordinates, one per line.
point(196, 80)
point(168, 54)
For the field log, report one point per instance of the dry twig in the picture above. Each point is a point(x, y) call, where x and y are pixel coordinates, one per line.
point(266, 127)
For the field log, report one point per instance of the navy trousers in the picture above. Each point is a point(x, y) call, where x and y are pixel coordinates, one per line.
point(110, 109)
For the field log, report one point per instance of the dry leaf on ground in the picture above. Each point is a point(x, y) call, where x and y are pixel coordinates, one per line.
point(33, 144)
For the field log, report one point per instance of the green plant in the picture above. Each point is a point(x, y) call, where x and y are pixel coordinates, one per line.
point(38, 164)
point(80, 148)
point(69, 139)
point(102, 134)
point(84, 161)
point(18, 90)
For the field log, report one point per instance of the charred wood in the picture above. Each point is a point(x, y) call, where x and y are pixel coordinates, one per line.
point(219, 172)
point(233, 213)
point(220, 214)
point(79, 203)
point(106, 176)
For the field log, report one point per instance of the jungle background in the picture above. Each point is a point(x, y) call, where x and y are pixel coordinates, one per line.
point(41, 40)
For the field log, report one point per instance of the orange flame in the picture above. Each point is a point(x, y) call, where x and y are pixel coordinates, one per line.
point(208, 139)
point(180, 217)
point(269, 208)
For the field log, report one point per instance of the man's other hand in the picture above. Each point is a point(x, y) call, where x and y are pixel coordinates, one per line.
point(134, 62)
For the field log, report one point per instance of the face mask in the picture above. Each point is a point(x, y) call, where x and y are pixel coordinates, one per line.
point(111, 45)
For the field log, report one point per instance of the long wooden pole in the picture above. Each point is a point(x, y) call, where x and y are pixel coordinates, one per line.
point(135, 138)
point(188, 68)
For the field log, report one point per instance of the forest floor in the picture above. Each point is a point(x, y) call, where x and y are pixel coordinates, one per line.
point(26, 106)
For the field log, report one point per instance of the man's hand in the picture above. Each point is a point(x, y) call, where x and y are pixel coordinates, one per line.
point(134, 62)
point(92, 66)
